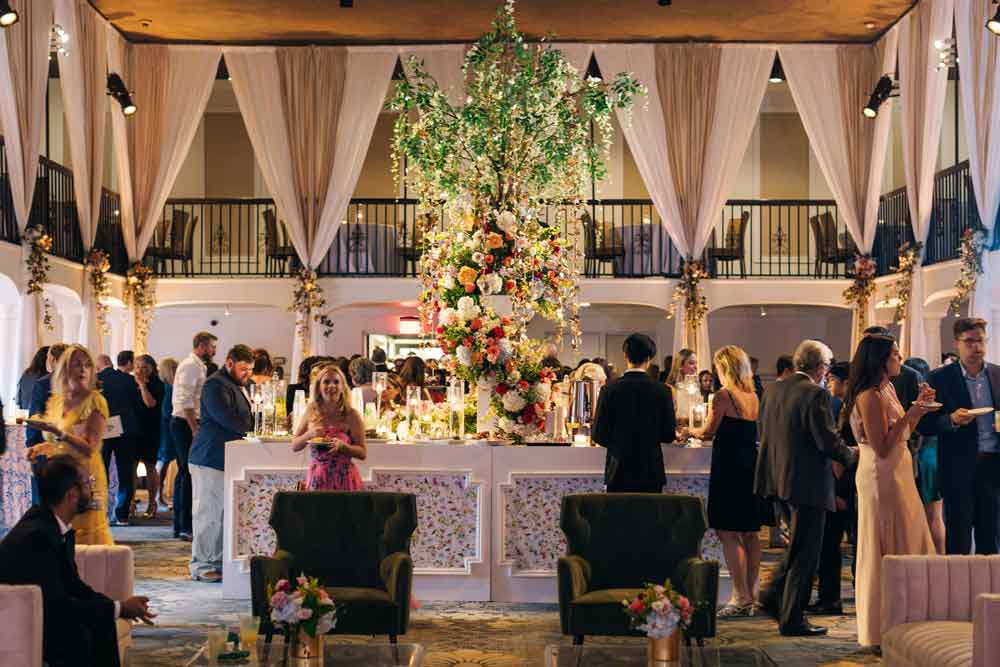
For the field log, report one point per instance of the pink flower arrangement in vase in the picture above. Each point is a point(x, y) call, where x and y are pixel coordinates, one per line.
point(305, 613)
point(660, 612)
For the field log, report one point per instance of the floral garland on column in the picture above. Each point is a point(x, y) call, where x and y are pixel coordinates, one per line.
point(862, 289)
point(909, 259)
point(97, 264)
point(39, 246)
point(308, 303)
point(970, 267)
point(507, 168)
point(688, 292)
point(140, 295)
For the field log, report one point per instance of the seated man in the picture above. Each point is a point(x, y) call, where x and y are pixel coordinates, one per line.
point(78, 622)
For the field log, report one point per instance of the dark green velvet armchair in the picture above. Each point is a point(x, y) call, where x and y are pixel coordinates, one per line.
point(356, 543)
point(618, 542)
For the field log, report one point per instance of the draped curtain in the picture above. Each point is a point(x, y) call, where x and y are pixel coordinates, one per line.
point(830, 85)
point(922, 95)
point(979, 84)
point(83, 70)
point(310, 113)
point(444, 63)
point(24, 70)
point(171, 87)
point(689, 136)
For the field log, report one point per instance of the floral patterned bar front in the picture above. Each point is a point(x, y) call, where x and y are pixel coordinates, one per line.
point(488, 516)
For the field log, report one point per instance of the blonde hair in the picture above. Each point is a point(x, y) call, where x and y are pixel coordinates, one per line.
point(675, 368)
point(733, 366)
point(316, 402)
point(168, 368)
point(60, 379)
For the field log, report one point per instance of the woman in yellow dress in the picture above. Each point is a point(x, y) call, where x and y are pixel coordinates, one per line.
point(74, 423)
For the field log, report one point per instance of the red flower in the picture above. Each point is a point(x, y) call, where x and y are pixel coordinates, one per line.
point(528, 414)
point(505, 320)
point(468, 341)
point(475, 324)
point(552, 275)
point(509, 285)
point(523, 385)
point(469, 287)
point(489, 259)
point(507, 261)
point(498, 332)
point(637, 606)
point(502, 389)
point(440, 329)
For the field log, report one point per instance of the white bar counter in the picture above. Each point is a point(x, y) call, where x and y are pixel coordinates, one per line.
point(487, 514)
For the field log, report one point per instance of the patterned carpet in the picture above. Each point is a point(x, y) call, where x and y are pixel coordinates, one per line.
point(454, 634)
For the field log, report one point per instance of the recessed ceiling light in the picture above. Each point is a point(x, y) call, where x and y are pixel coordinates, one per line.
point(870, 25)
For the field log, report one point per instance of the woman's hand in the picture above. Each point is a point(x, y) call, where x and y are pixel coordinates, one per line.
point(927, 393)
point(46, 449)
point(314, 431)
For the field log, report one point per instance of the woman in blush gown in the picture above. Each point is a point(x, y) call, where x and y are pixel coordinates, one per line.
point(891, 518)
point(331, 418)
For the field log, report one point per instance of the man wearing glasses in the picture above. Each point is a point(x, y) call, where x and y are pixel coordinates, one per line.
point(968, 442)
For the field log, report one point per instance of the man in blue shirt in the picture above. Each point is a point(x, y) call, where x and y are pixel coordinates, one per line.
point(225, 416)
point(968, 445)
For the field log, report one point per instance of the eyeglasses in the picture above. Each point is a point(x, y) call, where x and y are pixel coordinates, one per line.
point(974, 341)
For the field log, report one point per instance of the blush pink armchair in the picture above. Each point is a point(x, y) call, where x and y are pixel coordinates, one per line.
point(110, 570)
point(941, 611)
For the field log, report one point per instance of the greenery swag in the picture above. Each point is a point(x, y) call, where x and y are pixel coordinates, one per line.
point(308, 303)
point(140, 294)
point(97, 264)
point(909, 261)
point(39, 246)
point(970, 267)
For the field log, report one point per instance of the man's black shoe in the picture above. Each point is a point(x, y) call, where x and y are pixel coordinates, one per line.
point(831, 609)
point(806, 629)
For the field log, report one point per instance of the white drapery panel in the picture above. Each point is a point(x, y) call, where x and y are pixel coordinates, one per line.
point(24, 70)
point(171, 87)
point(979, 54)
point(577, 53)
point(84, 69)
point(444, 63)
point(830, 85)
point(922, 95)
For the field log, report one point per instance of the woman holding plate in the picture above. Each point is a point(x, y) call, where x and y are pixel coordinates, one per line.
point(334, 432)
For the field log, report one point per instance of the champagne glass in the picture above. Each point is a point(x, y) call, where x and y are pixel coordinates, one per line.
point(248, 632)
point(380, 379)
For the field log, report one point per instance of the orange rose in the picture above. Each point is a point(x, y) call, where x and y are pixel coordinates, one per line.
point(494, 241)
point(467, 275)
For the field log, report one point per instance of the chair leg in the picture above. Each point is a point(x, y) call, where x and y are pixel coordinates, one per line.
point(393, 639)
point(687, 640)
point(701, 641)
point(268, 636)
point(577, 640)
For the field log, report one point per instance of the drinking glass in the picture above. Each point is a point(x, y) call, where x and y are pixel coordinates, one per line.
point(248, 631)
point(380, 379)
point(216, 643)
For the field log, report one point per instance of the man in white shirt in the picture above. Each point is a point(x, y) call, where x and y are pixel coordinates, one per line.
point(188, 381)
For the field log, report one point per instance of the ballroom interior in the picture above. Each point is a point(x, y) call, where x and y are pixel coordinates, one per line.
point(849, 131)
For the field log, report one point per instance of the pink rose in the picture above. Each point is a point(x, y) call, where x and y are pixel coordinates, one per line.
point(282, 586)
point(305, 614)
point(279, 599)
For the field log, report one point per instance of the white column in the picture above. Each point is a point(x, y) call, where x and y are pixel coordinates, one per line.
point(932, 339)
point(70, 327)
point(10, 370)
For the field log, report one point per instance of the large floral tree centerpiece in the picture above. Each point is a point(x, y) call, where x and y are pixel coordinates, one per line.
point(519, 147)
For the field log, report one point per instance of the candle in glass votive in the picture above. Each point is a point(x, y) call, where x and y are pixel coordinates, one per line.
point(581, 440)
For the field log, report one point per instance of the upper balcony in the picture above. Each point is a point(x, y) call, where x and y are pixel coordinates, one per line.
point(620, 237)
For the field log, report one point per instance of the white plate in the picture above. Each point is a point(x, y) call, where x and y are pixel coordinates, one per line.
point(930, 405)
point(980, 411)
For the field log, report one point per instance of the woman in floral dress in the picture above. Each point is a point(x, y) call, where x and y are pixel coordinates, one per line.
point(334, 433)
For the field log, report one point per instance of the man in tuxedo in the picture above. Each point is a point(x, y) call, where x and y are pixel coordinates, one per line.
point(635, 414)
point(798, 442)
point(968, 445)
point(119, 389)
point(78, 622)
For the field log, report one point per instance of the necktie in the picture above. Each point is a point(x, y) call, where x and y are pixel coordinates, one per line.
point(70, 541)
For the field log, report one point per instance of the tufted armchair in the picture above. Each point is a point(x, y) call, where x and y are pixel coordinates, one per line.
point(110, 569)
point(941, 611)
point(21, 626)
point(618, 542)
point(356, 543)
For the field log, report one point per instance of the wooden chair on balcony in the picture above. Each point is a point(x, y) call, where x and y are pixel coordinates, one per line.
point(277, 253)
point(597, 250)
point(409, 251)
point(177, 246)
point(733, 247)
point(829, 249)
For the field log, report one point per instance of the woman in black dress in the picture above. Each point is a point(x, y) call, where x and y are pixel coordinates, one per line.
point(733, 509)
point(151, 392)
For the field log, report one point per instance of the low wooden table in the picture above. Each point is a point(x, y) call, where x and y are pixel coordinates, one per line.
point(334, 655)
point(561, 655)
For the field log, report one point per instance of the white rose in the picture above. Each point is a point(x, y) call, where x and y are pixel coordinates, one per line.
point(478, 258)
point(464, 355)
point(514, 376)
point(507, 221)
point(448, 282)
point(505, 425)
point(512, 401)
point(543, 390)
point(658, 605)
point(485, 284)
point(495, 283)
point(447, 317)
point(506, 349)
point(467, 308)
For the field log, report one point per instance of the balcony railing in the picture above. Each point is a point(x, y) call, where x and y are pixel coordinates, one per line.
point(619, 237)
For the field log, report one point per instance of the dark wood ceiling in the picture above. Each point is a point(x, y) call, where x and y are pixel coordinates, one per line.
point(411, 21)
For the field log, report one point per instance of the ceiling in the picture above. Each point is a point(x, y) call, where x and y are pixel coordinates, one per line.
point(411, 21)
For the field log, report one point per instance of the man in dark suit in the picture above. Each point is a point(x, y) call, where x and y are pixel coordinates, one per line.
point(635, 414)
point(968, 445)
point(225, 416)
point(78, 622)
point(798, 442)
point(122, 394)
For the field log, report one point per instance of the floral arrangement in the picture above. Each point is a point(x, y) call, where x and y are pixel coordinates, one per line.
point(909, 259)
point(308, 608)
point(478, 342)
point(520, 397)
point(520, 142)
point(97, 265)
point(140, 294)
point(39, 245)
point(659, 610)
point(308, 302)
point(863, 286)
point(688, 292)
point(970, 267)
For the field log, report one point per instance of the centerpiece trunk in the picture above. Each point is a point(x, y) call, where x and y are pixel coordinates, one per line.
point(664, 650)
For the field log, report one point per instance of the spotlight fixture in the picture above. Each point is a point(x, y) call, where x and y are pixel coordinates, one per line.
point(993, 25)
point(347, 3)
point(8, 16)
point(884, 89)
point(117, 90)
point(777, 71)
point(663, 3)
